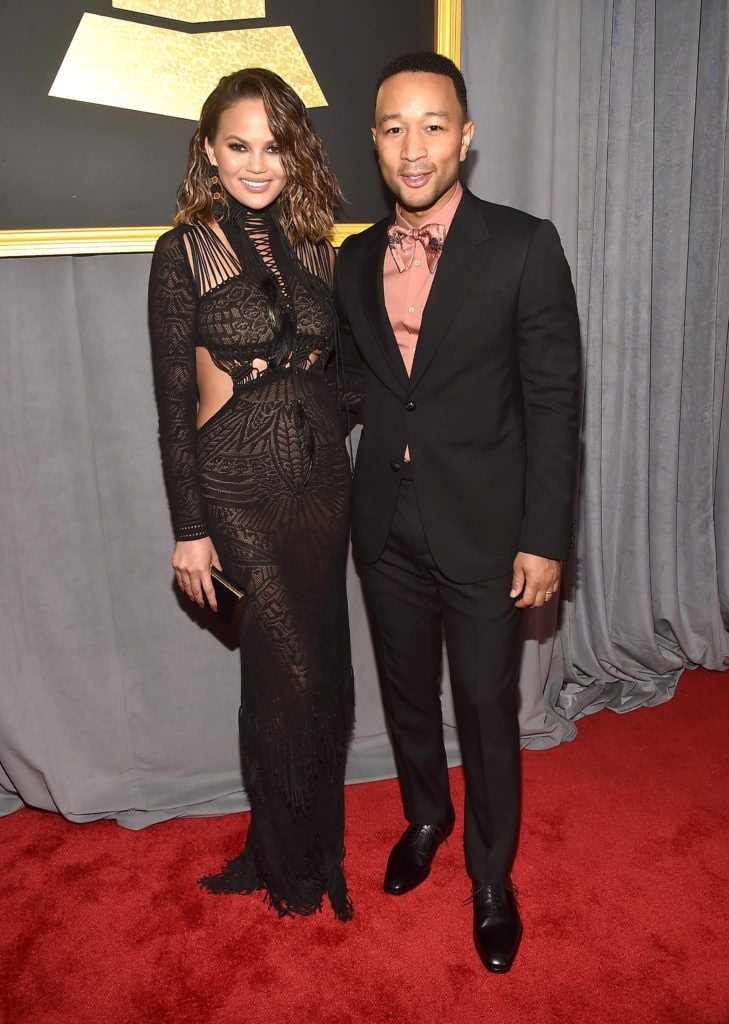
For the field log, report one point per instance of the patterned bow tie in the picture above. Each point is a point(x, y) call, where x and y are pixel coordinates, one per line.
point(402, 244)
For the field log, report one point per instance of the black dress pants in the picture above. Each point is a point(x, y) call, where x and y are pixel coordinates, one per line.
point(410, 603)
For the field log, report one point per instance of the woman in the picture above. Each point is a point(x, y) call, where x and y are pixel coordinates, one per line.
point(257, 472)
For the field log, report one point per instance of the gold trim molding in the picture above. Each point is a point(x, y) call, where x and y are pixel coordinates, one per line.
point(78, 241)
point(84, 241)
point(87, 241)
point(341, 231)
point(448, 21)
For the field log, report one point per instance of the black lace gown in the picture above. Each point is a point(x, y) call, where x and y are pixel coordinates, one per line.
point(268, 479)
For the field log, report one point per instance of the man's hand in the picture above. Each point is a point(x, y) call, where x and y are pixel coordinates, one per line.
point(535, 580)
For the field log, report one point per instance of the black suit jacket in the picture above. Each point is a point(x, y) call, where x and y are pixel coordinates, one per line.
point(490, 411)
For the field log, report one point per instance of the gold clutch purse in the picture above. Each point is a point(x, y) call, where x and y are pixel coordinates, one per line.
point(231, 599)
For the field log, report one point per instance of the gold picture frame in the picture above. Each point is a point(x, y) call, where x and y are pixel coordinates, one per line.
point(84, 241)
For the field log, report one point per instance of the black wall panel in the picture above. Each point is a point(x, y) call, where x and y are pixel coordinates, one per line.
point(66, 163)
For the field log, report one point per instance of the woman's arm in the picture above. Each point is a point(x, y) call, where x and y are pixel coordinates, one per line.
point(172, 323)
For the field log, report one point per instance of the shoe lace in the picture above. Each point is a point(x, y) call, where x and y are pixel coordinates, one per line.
point(492, 893)
point(424, 836)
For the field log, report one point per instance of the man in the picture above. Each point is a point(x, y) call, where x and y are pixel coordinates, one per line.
point(460, 316)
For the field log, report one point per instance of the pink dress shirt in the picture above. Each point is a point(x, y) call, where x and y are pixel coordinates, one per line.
point(406, 292)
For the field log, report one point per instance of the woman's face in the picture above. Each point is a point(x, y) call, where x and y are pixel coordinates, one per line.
point(247, 155)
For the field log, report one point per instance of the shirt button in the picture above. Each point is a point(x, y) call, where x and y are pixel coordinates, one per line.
point(410, 406)
point(395, 466)
point(417, 263)
point(411, 309)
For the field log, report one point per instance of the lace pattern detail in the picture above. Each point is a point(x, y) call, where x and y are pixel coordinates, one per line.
point(267, 477)
point(205, 293)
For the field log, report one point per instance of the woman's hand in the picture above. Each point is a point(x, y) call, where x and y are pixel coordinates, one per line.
point(191, 561)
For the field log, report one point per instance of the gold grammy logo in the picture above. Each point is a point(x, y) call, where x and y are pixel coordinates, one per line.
point(169, 71)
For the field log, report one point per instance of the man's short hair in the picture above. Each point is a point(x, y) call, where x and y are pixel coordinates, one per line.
point(434, 64)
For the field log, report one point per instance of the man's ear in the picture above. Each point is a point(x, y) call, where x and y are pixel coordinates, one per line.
point(466, 139)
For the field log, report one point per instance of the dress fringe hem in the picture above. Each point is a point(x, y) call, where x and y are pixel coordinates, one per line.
point(239, 877)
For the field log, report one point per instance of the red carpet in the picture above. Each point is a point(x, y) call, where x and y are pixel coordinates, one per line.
point(622, 870)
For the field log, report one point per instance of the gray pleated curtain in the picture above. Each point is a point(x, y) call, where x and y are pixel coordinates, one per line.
point(610, 117)
point(653, 290)
point(118, 700)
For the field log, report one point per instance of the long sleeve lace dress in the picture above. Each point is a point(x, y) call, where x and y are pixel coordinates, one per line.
point(268, 479)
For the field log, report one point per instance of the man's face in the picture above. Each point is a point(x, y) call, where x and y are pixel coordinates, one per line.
point(421, 138)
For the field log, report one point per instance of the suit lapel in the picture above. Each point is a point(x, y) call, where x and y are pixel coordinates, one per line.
point(462, 262)
point(373, 295)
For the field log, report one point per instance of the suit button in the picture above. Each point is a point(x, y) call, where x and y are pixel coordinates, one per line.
point(395, 466)
point(410, 406)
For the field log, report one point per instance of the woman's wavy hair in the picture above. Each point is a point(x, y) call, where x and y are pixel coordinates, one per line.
point(306, 204)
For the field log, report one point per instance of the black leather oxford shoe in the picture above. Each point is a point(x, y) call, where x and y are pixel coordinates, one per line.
point(497, 926)
point(411, 856)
